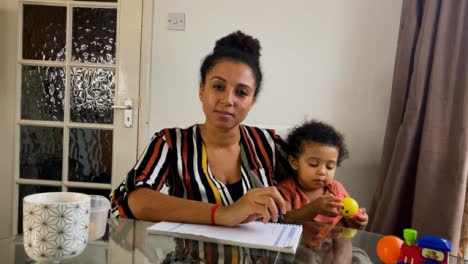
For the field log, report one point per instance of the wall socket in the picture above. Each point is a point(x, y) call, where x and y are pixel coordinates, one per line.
point(176, 21)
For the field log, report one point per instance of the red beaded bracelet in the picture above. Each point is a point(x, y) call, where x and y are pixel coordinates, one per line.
point(213, 210)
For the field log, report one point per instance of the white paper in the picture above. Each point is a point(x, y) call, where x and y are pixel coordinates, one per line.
point(271, 236)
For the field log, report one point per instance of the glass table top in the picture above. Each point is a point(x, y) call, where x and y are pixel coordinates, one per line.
point(127, 241)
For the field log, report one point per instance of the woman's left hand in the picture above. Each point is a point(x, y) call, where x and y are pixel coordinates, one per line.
point(359, 221)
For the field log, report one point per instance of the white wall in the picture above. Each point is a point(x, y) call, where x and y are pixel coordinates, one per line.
point(8, 24)
point(330, 60)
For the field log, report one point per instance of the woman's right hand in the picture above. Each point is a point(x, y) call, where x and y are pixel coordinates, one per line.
point(327, 205)
point(256, 203)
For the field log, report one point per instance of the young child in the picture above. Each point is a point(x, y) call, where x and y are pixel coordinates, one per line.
point(316, 149)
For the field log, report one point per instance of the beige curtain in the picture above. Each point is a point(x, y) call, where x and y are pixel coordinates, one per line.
point(425, 157)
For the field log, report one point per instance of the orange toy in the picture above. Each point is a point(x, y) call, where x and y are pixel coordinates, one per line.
point(388, 249)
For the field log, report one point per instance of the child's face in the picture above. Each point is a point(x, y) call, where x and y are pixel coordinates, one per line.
point(315, 165)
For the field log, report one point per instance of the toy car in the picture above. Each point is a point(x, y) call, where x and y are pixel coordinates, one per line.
point(426, 250)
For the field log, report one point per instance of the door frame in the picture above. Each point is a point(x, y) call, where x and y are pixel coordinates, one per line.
point(145, 75)
point(8, 49)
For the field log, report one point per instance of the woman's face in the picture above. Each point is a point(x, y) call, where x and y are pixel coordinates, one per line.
point(227, 94)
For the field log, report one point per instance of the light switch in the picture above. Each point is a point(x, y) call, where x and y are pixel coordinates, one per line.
point(176, 21)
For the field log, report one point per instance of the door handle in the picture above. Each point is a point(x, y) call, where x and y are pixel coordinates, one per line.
point(122, 107)
point(128, 112)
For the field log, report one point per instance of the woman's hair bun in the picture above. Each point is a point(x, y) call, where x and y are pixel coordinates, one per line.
point(240, 42)
point(237, 47)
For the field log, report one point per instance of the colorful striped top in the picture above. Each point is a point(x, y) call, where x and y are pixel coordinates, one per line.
point(176, 158)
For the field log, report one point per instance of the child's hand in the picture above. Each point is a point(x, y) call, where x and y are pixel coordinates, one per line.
point(326, 205)
point(359, 221)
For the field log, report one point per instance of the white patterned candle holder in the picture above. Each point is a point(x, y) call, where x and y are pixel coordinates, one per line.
point(55, 225)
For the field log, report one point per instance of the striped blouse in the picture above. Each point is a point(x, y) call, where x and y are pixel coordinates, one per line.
point(177, 158)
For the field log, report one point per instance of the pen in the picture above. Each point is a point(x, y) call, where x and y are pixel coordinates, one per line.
point(280, 215)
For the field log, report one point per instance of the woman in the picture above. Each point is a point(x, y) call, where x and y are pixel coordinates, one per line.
point(218, 172)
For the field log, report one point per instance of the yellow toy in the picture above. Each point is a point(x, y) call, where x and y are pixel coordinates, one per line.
point(350, 207)
point(348, 232)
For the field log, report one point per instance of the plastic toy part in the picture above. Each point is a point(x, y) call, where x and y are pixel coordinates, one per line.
point(350, 207)
point(435, 243)
point(388, 249)
point(410, 236)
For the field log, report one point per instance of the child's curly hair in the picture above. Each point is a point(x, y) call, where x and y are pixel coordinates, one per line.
point(319, 132)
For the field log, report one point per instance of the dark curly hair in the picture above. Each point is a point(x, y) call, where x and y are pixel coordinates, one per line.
point(238, 47)
point(317, 132)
